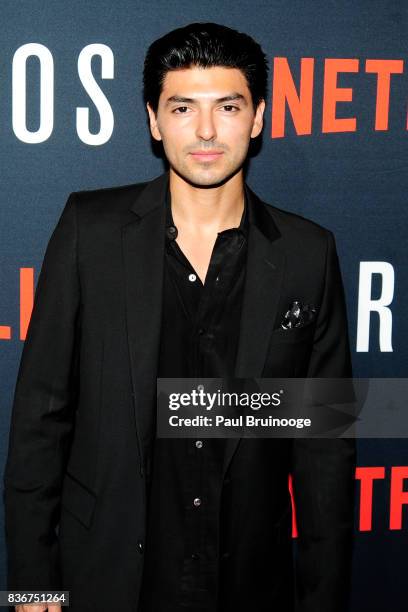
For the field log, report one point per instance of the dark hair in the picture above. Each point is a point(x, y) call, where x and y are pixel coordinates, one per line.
point(204, 45)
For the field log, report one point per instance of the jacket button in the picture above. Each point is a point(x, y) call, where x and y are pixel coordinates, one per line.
point(140, 546)
point(225, 555)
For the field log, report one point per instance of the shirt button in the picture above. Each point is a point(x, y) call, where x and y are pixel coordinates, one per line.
point(140, 546)
point(192, 277)
point(199, 443)
point(172, 232)
point(197, 501)
point(201, 331)
point(195, 556)
point(217, 279)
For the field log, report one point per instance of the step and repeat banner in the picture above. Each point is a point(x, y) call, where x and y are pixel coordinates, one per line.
point(333, 149)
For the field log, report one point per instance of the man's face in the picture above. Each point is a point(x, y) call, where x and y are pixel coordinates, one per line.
point(205, 119)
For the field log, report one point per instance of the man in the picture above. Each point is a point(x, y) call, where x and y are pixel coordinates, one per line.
point(187, 275)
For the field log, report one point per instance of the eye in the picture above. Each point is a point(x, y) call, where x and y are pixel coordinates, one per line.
point(181, 110)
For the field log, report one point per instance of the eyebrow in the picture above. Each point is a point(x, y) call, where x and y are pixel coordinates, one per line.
point(229, 98)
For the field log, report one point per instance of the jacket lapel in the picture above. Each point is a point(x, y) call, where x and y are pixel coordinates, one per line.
point(143, 241)
point(262, 288)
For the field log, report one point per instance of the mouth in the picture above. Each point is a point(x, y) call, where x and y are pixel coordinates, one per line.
point(206, 156)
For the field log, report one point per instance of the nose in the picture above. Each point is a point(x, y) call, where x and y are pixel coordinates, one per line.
point(205, 125)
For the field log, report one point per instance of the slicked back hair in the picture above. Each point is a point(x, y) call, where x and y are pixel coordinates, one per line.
point(204, 45)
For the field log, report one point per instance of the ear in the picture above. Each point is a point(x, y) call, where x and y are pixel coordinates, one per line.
point(258, 119)
point(153, 123)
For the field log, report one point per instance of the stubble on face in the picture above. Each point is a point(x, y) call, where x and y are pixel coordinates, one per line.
point(201, 173)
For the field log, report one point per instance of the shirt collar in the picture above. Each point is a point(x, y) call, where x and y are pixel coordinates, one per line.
point(171, 230)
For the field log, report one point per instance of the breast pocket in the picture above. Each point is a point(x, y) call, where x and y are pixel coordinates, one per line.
point(288, 350)
point(296, 334)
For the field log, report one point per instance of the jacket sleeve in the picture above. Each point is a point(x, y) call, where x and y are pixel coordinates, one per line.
point(324, 469)
point(42, 415)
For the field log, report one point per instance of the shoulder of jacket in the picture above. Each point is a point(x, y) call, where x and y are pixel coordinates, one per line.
point(101, 198)
point(293, 225)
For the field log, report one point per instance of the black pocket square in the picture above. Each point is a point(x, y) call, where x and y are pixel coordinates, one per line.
point(298, 315)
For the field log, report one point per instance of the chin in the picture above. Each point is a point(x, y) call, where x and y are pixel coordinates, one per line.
point(206, 179)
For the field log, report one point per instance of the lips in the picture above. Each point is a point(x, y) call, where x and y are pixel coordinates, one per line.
point(206, 155)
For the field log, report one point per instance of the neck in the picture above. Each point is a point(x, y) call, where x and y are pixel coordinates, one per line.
point(206, 210)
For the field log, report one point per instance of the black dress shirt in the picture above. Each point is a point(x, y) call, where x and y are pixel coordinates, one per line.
point(199, 338)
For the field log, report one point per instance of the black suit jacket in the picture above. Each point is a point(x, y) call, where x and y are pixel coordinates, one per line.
point(75, 495)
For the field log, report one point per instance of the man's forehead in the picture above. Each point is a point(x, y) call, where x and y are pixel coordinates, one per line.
point(206, 83)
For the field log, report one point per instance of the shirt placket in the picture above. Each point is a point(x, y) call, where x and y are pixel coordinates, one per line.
point(202, 473)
